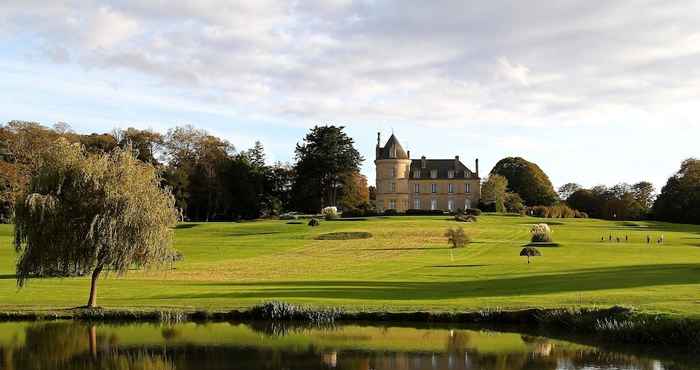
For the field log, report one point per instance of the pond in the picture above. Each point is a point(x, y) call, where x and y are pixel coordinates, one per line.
point(71, 345)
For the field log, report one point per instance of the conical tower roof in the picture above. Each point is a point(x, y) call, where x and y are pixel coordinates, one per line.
point(392, 150)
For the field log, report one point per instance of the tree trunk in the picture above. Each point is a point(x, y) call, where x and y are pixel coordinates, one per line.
point(92, 302)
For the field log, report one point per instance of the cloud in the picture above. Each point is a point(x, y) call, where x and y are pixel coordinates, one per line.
point(458, 64)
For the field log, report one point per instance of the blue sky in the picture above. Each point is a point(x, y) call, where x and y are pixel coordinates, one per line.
point(594, 92)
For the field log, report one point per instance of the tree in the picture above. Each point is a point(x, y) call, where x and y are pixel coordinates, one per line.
point(644, 194)
point(513, 202)
point(456, 237)
point(526, 179)
point(530, 252)
point(493, 191)
point(354, 192)
point(567, 189)
point(586, 201)
point(146, 143)
point(83, 213)
point(679, 200)
point(325, 156)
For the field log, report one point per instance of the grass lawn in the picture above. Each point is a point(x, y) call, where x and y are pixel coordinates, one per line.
point(405, 266)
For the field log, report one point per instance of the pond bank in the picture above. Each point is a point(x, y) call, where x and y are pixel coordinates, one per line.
point(616, 324)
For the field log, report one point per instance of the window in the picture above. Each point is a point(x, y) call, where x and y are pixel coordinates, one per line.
point(433, 204)
point(433, 174)
point(392, 172)
point(392, 204)
point(467, 188)
point(393, 187)
point(416, 174)
point(433, 188)
point(450, 204)
point(450, 188)
point(467, 203)
point(416, 203)
point(416, 188)
point(450, 174)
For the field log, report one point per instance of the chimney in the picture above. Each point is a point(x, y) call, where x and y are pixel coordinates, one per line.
point(422, 162)
point(408, 154)
point(379, 138)
point(477, 167)
point(456, 161)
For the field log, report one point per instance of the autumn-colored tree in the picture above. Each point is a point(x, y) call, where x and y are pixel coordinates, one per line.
point(354, 192)
point(493, 192)
point(85, 213)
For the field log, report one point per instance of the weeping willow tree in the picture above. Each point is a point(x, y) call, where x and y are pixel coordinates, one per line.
point(83, 214)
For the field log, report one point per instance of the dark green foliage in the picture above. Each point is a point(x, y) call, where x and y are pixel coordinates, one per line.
point(526, 179)
point(349, 235)
point(679, 200)
point(314, 222)
point(472, 211)
point(390, 212)
point(513, 203)
point(559, 210)
point(324, 160)
point(530, 252)
point(281, 311)
point(620, 202)
point(363, 210)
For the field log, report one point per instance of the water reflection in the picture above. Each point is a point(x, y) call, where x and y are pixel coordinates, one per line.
point(67, 345)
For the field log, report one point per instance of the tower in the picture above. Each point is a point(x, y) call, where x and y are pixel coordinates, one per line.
point(393, 165)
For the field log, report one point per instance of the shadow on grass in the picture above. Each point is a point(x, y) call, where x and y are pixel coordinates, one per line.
point(8, 277)
point(185, 226)
point(405, 249)
point(253, 233)
point(594, 279)
point(460, 266)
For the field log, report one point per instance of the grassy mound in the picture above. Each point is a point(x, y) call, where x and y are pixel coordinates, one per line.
point(349, 235)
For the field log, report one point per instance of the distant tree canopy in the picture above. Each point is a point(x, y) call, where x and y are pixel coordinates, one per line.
point(622, 201)
point(83, 213)
point(679, 200)
point(526, 179)
point(324, 159)
point(567, 189)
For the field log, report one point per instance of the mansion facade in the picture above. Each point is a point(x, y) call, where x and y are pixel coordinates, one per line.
point(427, 184)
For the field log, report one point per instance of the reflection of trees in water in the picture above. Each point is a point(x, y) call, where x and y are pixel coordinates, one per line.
point(75, 346)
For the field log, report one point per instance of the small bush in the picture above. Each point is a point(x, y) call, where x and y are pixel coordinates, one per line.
point(358, 212)
point(456, 237)
point(329, 213)
point(465, 218)
point(314, 222)
point(541, 233)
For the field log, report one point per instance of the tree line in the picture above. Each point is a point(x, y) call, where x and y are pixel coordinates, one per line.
point(519, 186)
point(209, 178)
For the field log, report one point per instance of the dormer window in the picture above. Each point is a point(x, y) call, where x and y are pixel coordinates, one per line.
point(450, 174)
point(416, 174)
point(433, 174)
point(392, 152)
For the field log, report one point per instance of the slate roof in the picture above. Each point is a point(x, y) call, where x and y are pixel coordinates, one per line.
point(443, 166)
point(392, 150)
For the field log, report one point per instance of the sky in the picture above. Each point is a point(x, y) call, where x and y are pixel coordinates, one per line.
point(594, 92)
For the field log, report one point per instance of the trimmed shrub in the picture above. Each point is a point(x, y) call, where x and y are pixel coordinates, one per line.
point(357, 212)
point(541, 233)
point(390, 212)
point(329, 213)
point(314, 222)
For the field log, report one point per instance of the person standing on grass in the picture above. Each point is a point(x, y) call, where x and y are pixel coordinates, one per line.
point(648, 239)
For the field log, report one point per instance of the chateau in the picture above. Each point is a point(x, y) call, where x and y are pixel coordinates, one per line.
point(429, 184)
